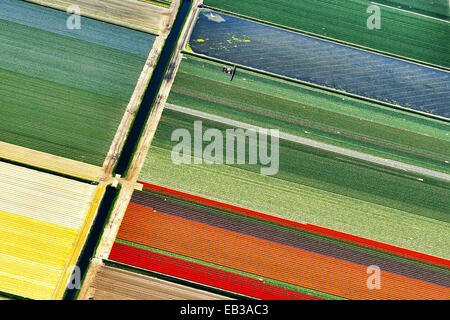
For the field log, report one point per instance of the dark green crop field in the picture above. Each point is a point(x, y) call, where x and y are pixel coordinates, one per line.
point(65, 94)
point(299, 110)
point(402, 33)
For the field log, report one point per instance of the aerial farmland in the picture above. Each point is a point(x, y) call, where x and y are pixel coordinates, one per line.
point(224, 150)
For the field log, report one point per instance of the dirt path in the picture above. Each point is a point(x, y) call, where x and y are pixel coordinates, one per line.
point(51, 162)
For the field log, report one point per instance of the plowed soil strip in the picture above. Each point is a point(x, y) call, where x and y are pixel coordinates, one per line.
point(116, 284)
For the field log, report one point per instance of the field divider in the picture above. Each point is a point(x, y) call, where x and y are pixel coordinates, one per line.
point(137, 97)
point(50, 162)
point(79, 243)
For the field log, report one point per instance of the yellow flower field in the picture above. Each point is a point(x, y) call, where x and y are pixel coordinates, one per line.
point(44, 221)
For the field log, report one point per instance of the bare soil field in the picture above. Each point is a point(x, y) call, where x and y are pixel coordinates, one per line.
point(115, 284)
point(133, 14)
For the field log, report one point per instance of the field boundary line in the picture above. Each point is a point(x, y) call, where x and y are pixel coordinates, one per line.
point(371, 244)
point(50, 162)
point(330, 39)
point(79, 243)
point(137, 97)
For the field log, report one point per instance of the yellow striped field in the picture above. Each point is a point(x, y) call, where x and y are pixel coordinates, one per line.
point(44, 221)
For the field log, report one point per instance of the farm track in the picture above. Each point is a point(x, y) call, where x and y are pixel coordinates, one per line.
point(129, 182)
point(311, 125)
point(51, 162)
point(133, 105)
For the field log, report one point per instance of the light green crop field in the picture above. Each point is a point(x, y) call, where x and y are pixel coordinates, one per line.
point(300, 110)
point(402, 33)
point(61, 94)
point(312, 188)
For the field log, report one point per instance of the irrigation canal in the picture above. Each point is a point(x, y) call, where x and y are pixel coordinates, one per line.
point(131, 143)
point(151, 93)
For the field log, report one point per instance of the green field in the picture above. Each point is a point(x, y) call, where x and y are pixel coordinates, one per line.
point(434, 8)
point(61, 94)
point(313, 188)
point(302, 111)
point(402, 33)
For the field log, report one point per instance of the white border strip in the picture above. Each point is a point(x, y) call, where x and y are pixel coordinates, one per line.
point(407, 11)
